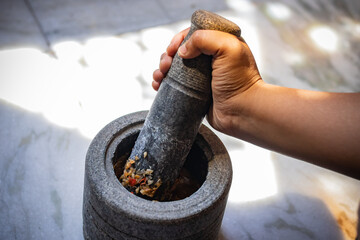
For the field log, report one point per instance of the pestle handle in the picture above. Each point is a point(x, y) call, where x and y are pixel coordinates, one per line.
point(195, 73)
point(174, 119)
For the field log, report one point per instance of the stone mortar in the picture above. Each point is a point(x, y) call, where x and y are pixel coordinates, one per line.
point(112, 212)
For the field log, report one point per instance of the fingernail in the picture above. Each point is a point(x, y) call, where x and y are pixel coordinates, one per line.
point(162, 56)
point(182, 50)
point(169, 47)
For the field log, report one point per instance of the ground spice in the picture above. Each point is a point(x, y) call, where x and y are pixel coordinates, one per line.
point(139, 181)
point(143, 185)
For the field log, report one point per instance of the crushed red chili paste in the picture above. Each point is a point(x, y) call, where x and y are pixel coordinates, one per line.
point(139, 181)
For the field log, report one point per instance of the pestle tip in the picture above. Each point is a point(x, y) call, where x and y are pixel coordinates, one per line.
point(211, 21)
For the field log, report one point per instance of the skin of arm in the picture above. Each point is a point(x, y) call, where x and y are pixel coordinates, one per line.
point(322, 128)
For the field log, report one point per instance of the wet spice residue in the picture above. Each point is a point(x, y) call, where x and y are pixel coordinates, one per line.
point(139, 181)
point(142, 183)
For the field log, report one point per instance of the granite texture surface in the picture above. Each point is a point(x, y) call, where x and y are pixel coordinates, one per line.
point(51, 108)
point(111, 212)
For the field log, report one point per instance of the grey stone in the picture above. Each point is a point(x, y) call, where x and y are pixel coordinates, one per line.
point(179, 107)
point(112, 212)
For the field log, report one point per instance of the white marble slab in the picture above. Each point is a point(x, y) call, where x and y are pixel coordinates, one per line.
point(50, 109)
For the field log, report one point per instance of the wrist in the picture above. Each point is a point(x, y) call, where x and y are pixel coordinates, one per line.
point(235, 117)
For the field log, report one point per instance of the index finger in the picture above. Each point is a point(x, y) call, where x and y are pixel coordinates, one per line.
point(176, 41)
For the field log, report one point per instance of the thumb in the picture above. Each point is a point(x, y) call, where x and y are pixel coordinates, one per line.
point(208, 42)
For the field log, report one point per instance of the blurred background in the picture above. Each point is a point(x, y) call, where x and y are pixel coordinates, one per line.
point(69, 67)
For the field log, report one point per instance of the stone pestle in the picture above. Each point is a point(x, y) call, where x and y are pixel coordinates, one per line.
point(176, 114)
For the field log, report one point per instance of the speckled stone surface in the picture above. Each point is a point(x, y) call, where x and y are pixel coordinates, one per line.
point(175, 116)
point(111, 212)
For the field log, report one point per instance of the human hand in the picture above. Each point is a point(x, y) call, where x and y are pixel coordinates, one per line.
point(234, 71)
point(291, 121)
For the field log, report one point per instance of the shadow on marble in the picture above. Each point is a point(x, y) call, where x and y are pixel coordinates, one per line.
point(308, 202)
point(41, 176)
point(18, 27)
point(42, 23)
point(287, 216)
point(339, 193)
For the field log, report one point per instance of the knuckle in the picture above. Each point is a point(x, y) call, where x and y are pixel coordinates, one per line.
point(197, 37)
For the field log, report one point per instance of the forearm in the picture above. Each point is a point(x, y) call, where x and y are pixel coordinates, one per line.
point(318, 127)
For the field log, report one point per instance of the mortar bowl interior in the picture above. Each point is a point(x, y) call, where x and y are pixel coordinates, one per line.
point(192, 174)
